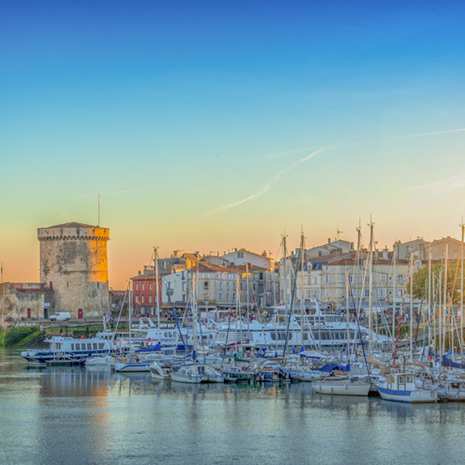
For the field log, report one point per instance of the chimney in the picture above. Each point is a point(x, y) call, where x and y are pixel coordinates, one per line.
point(329, 240)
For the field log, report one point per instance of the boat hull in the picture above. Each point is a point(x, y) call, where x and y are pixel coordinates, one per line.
point(416, 396)
point(341, 388)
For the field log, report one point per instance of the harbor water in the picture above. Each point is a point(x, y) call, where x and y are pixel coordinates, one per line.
point(73, 415)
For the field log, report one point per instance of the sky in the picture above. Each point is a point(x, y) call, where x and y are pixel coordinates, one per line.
point(211, 125)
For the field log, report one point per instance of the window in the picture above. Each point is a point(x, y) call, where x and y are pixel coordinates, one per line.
point(137, 287)
point(227, 287)
point(221, 285)
point(326, 292)
point(260, 276)
point(150, 299)
point(260, 288)
point(366, 293)
point(383, 278)
point(143, 299)
point(382, 292)
point(143, 286)
point(315, 281)
point(351, 278)
point(399, 292)
point(227, 297)
point(137, 299)
point(150, 287)
point(101, 345)
point(78, 346)
point(89, 346)
point(184, 287)
point(205, 285)
point(240, 254)
point(221, 296)
point(401, 278)
point(326, 279)
point(95, 345)
point(72, 346)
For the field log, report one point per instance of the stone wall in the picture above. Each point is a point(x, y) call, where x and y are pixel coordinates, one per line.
point(74, 262)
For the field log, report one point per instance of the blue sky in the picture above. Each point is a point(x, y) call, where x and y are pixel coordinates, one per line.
point(182, 109)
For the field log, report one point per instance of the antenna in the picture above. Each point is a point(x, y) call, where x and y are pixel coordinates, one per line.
point(98, 211)
point(338, 231)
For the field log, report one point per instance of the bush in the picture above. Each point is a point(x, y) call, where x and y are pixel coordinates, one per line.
point(15, 335)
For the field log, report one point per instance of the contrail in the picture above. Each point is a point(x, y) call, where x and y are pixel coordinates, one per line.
point(434, 133)
point(104, 193)
point(302, 160)
point(267, 187)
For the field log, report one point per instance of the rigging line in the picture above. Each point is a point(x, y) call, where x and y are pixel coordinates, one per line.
point(360, 337)
point(171, 303)
point(401, 313)
point(290, 309)
point(431, 318)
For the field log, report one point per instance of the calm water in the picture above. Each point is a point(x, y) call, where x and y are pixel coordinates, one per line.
point(78, 416)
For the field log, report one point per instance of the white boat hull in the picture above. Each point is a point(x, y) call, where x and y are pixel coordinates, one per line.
point(341, 388)
point(414, 396)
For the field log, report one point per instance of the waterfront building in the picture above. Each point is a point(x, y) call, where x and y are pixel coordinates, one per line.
point(240, 257)
point(24, 301)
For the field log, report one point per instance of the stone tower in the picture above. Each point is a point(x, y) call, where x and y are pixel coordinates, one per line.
point(74, 262)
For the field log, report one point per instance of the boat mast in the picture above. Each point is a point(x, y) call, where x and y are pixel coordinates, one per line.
point(429, 293)
point(285, 274)
point(461, 289)
point(445, 300)
point(248, 300)
point(394, 296)
point(357, 277)
point(302, 290)
point(347, 314)
point(370, 292)
point(411, 305)
point(157, 294)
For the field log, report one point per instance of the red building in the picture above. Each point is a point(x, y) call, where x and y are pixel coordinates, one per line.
point(144, 293)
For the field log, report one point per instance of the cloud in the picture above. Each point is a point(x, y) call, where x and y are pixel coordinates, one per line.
point(267, 187)
point(441, 186)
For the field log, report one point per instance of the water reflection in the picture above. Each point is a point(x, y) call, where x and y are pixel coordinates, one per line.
point(73, 415)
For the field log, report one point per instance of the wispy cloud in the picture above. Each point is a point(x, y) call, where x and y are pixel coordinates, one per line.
point(267, 187)
point(283, 154)
point(439, 187)
point(442, 185)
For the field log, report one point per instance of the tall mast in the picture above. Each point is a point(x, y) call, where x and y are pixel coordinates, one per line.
point(248, 299)
point(429, 293)
point(359, 232)
point(411, 305)
point(302, 288)
point(285, 271)
point(394, 296)
point(445, 300)
point(461, 288)
point(157, 294)
point(347, 314)
point(370, 294)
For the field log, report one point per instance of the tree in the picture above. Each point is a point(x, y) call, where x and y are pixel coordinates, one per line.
point(420, 282)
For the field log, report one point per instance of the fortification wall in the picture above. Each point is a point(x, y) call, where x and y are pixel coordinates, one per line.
point(75, 261)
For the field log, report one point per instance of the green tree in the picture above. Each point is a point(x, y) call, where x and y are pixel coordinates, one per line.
point(420, 281)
